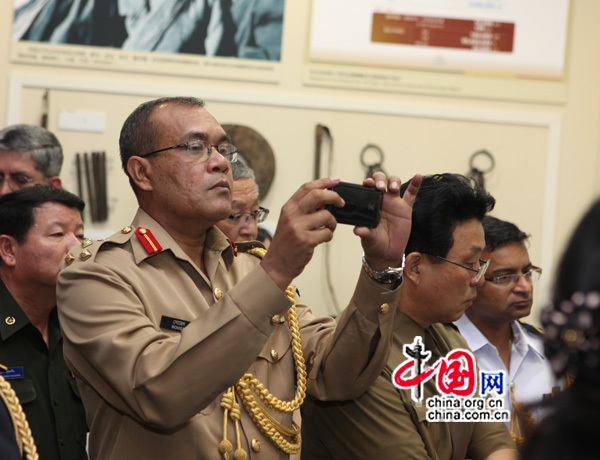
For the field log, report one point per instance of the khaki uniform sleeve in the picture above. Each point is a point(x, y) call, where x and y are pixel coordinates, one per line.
point(157, 376)
point(488, 437)
point(344, 361)
point(375, 426)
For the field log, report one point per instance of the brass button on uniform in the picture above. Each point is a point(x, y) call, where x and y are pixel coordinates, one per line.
point(255, 445)
point(274, 354)
point(69, 258)
point(384, 307)
point(85, 254)
point(126, 229)
point(10, 320)
point(87, 242)
point(218, 293)
point(276, 319)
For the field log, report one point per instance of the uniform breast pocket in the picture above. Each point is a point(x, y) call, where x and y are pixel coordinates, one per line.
point(278, 347)
point(274, 366)
point(24, 389)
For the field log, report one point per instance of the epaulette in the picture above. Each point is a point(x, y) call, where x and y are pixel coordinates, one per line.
point(531, 328)
point(89, 248)
point(245, 246)
point(148, 240)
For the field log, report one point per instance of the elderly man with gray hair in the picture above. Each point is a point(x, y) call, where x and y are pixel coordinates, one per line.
point(246, 214)
point(29, 155)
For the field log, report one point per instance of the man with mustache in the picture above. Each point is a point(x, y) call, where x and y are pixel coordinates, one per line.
point(495, 332)
point(188, 346)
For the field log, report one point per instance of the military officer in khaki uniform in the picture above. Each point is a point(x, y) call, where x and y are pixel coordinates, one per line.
point(186, 346)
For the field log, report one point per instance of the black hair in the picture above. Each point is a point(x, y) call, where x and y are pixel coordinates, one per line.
point(570, 430)
point(572, 346)
point(580, 264)
point(501, 232)
point(572, 320)
point(444, 201)
point(16, 208)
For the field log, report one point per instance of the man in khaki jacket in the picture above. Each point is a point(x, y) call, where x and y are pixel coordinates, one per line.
point(441, 274)
point(167, 323)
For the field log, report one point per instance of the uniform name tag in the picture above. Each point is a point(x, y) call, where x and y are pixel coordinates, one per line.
point(13, 373)
point(166, 322)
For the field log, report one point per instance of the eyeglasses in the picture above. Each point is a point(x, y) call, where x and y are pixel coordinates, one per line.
point(483, 266)
point(16, 181)
point(531, 276)
point(257, 216)
point(202, 150)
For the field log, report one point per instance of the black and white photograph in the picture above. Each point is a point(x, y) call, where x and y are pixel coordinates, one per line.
point(248, 29)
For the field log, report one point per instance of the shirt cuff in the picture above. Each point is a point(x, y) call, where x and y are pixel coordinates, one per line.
point(375, 301)
point(259, 298)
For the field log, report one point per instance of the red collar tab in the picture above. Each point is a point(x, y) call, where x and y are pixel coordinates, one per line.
point(234, 247)
point(148, 240)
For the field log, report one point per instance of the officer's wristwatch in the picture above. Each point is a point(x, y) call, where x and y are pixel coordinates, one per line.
point(388, 276)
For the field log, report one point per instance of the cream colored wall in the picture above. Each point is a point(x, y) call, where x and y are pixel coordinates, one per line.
point(546, 155)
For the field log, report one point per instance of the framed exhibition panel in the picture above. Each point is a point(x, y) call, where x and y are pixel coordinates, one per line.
point(170, 37)
point(458, 48)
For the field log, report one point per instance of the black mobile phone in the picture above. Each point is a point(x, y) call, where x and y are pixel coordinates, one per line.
point(363, 205)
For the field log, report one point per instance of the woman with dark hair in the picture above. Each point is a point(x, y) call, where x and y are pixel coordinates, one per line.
point(572, 344)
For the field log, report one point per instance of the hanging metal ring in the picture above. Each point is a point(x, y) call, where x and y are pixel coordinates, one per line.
point(368, 147)
point(482, 153)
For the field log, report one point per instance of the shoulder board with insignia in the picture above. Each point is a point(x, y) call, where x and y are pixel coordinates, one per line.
point(84, 251)
point(148, 240)
point(531, 328)
point(89, 247)
point(245, 246)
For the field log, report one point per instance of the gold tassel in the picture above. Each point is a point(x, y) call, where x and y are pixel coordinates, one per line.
point(249, 388)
